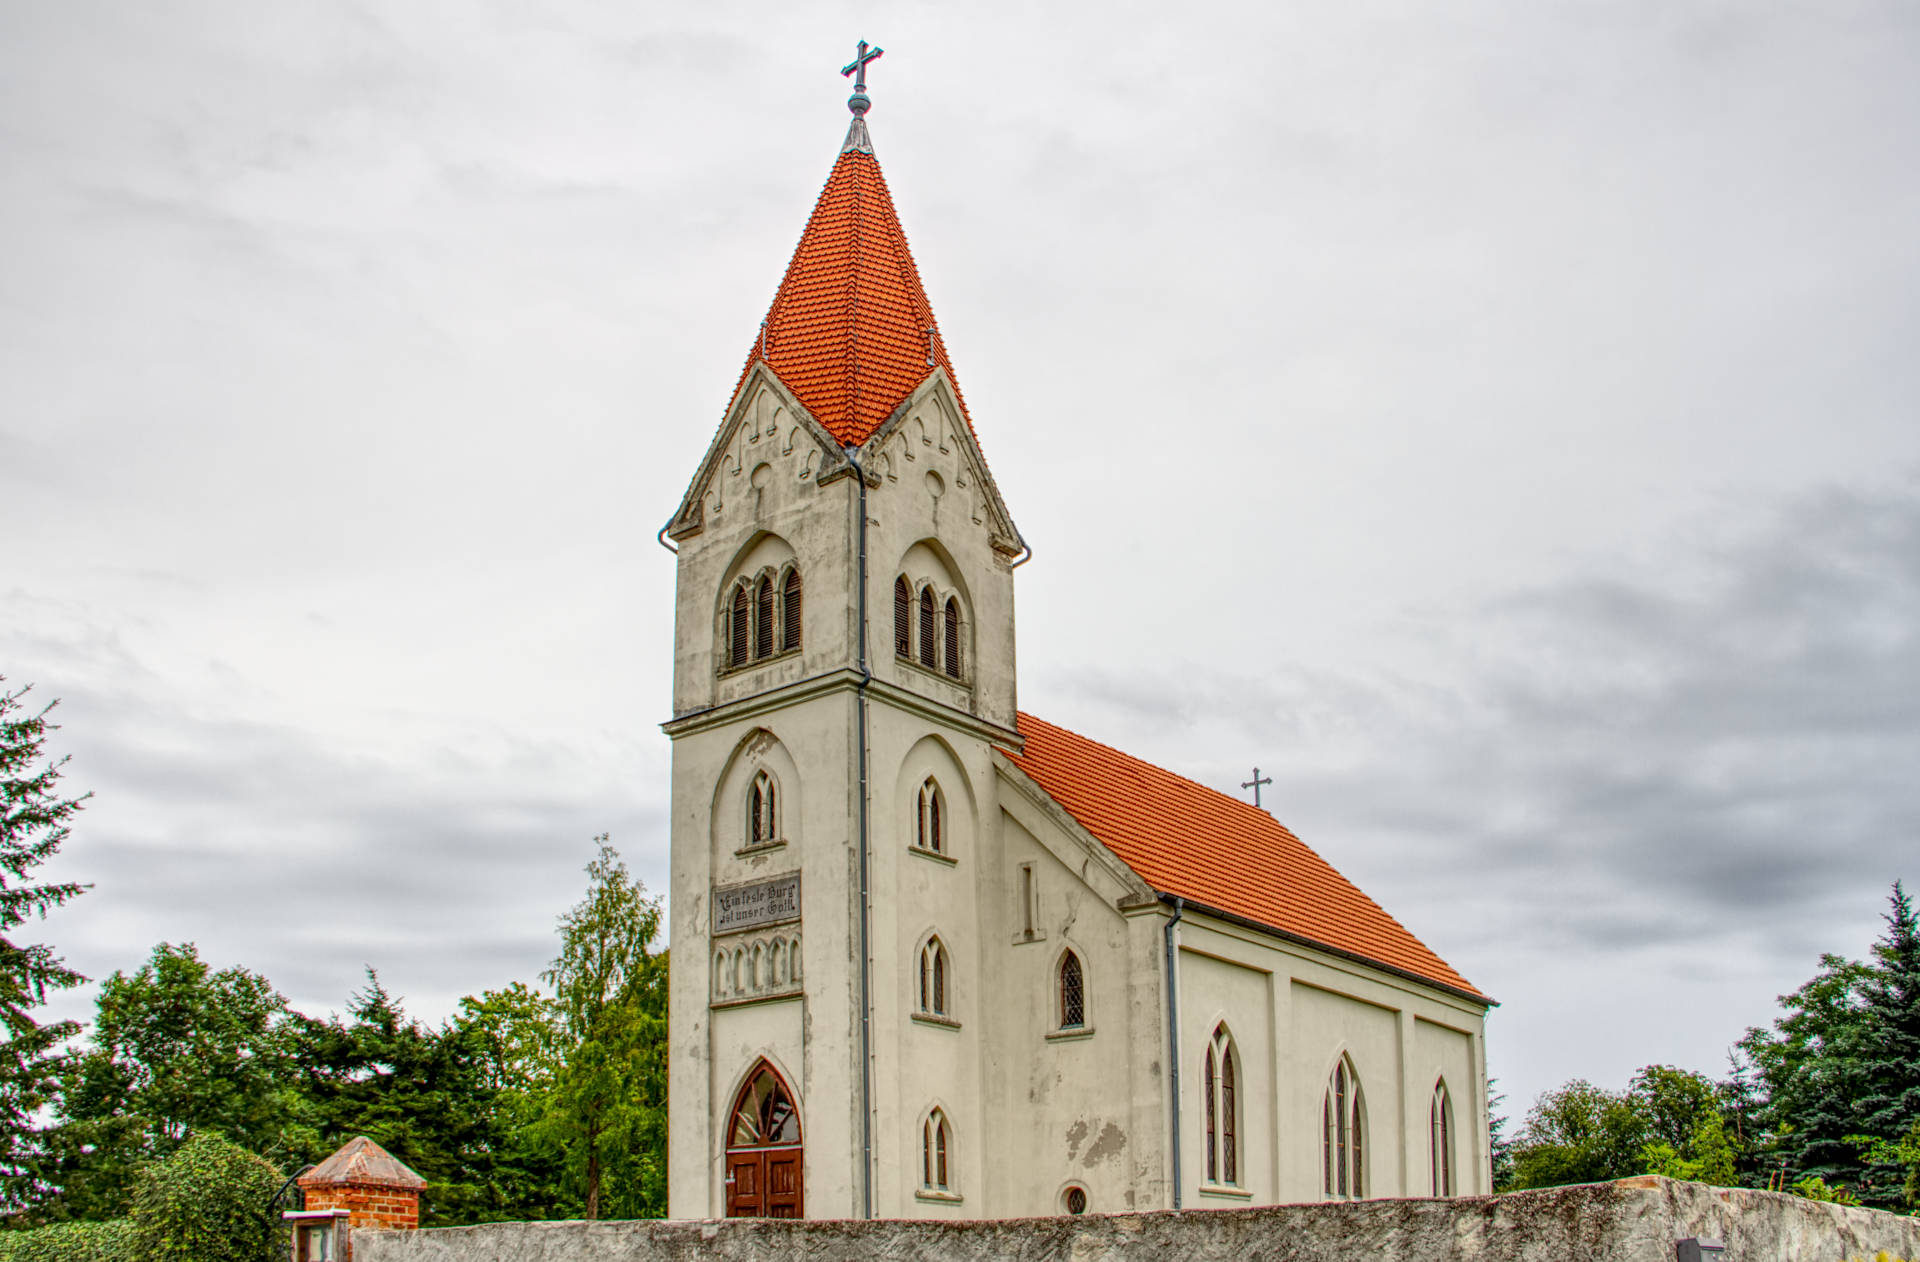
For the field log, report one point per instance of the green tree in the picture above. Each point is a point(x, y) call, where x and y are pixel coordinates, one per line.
point(34, 821)
point(176, 1048)
point(210, 1201)
point(416, 1091)
point(1840, 1069)
point(1889, 1105)
point(607, 1110)
point(1579, 1133)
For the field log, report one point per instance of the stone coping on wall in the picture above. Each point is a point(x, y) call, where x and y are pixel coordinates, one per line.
point(1633, 1220)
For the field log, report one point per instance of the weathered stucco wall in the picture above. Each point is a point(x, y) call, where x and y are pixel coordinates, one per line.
point(1631, 1221)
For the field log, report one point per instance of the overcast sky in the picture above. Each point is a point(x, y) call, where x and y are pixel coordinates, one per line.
point(1504, 416)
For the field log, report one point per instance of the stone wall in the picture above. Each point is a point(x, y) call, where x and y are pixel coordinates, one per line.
point(1634, 1220)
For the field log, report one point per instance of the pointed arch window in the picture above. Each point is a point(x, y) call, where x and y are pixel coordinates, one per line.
point(936, 1143)
point(790, 611)
point(933, 978)
point(763, 618)
point(952, 637)
point(1221, 1108)
point(763, 811)
point(931, 830)
point(1343, 1134)
point(902, 618)
point(929, 646)
point(737, 643)
point(1441, 1148)
point(1073, 993)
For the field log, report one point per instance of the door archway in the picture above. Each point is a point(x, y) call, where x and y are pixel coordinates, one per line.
point(764, 1152)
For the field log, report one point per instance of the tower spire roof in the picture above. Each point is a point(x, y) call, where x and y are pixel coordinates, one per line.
point(850, 331)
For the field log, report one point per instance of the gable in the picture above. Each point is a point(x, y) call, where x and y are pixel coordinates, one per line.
point(1222, 854)
point(765, 424)
point(929, 433)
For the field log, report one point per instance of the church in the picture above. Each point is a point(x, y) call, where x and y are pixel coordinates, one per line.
point(935, 956)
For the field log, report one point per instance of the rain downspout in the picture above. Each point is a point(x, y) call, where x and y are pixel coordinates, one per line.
point(866, 897)
point(1173, 1033)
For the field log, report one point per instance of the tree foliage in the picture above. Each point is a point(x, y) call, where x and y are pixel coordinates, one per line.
point(211, 1201)
point(34, 820)
point(607, 1108)
point(176, 1048)
point(1840, 1070)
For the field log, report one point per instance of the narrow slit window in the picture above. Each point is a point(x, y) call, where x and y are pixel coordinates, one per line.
point(902, 618)
point(1208, 1111)
point(1442, 1144)
point(790, 612)
point(1026, 898)
point(929, 646)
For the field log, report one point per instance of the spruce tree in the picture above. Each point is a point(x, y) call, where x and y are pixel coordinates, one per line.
point(1889, 1056)
point(33, 822)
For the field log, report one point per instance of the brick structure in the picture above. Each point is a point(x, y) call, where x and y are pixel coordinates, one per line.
point(366, 1184)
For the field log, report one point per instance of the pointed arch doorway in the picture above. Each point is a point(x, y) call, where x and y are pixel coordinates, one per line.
point(764, 1152)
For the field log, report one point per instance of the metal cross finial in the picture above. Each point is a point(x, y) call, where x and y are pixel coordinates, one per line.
point(1255, 784)
point(858, 102)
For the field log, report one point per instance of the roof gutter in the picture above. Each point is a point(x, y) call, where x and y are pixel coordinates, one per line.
point(1173, 1030)
point(1261, 926)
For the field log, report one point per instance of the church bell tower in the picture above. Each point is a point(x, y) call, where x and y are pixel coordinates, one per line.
point(843, 671)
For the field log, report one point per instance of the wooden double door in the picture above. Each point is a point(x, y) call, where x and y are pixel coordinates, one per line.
point(764, 1183)
point(765, 1159)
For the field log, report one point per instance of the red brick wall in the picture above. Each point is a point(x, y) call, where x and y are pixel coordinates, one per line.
point(369, 1205)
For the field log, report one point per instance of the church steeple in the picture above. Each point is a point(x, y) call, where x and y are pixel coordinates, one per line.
point(850, 332)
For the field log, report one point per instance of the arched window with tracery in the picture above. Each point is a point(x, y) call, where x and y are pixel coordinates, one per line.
point(737, 641)
point(930, 830)
point(1442, 1141)
point(936, 1143)
point(1343, 1134)
point(763, 811)
point(929, 645)
point(952, 637)
point(763, 618)
point(902, 618)
point(1221, 1108)
point(933, 978)
point(1073, 993)
point(790, 611)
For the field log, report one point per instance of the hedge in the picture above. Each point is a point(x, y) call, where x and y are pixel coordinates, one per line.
point(71, 1242)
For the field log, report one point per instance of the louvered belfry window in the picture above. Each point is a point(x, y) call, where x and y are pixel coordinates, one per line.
point(790, 612)
point(737, 628)
point(953, 636)
point(902, 617)
point(763, 619)
point(929, 647)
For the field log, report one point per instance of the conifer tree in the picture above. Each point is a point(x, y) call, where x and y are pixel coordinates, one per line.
point(1889, 1069)
point(34, 820)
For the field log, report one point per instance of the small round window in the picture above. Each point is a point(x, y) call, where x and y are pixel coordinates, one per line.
point(1076, 1200)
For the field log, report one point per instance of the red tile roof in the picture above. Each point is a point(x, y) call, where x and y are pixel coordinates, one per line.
point(850, 329)
point(1188, 840)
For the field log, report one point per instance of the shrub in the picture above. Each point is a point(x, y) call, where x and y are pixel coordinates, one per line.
point(211, 1201)
point(70, 1242)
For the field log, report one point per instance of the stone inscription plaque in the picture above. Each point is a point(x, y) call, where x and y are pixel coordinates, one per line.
point(767, 902)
